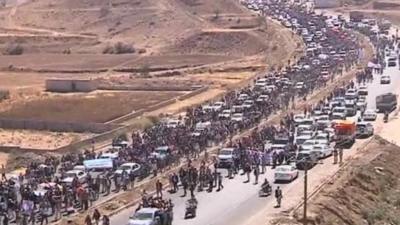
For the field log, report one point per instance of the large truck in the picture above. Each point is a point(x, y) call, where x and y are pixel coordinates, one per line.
point(386, 102)
point(356, 16)
point(345, 133)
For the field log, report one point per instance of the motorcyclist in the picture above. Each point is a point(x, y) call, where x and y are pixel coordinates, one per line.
point(386, 116)
point(265, 187)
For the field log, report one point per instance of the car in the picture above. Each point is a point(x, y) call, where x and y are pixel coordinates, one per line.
point(323, 122)
point(129, 168)
point(237, 117)
point(248, 104)
point(217, 106)
point(262, 98)
point(369, 115)
point(301, 139)
point(363, 90)
point(299, 85)
point(303, 127)
point(70, 175)
point(339, 113)
point(351, 94)
point(308, 145)
point(306, 159)
point(243, 97)
point(322, 150)
point(161, 152)
point(146, 216)
point(385, 79)
point(364, 129)
point(226, 157)
point(298, 118)
point(262, 82)
point(173, 123)
point(361, 104)
point(225, 114)
point(285, 173)
point(351, 107)
point(392, 62)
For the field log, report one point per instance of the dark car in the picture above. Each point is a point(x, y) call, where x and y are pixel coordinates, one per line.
point(306, 159)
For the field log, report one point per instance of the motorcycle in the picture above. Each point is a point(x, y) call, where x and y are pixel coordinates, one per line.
point(265, 191)
point(191, 208)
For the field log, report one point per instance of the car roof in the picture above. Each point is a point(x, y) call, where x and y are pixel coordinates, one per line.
point(148, 210)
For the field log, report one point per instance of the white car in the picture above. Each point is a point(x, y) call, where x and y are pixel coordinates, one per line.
point(146, 216)
point(262, 82)
point(339, 113)
point(369, 115)
point(364, 129)
point(217, 106)
point(308, 145)
point(298, 118)
point(237, 117)
point(385, 79)
point(322, 150)
point(81, 175)
point(361, 104)
point(225, 114)
point(351, 94)
point(363, 91)
point(262, 98)
point(129, 168)
point(299, 85)
point(173, 123)
point(286, 173)
point(323, 122)
point(248, 104)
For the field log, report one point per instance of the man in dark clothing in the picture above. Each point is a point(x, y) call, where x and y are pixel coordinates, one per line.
point(220, 186)
point(159, 187)
point(278, 196)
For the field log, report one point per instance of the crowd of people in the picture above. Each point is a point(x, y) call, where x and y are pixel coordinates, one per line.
point(21, 202)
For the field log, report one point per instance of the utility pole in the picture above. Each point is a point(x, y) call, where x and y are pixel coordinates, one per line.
point(305, 194)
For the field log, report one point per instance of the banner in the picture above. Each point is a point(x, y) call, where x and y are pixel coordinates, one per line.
point(98, 163)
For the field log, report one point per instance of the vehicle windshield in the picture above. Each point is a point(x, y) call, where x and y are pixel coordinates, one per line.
point(124, 167)
point(282, 169)
point(338, 110)
point(225, 152)
point(143, 216)
point(71, 174)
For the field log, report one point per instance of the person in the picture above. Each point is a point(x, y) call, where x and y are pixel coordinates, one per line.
point(96, 216)
point(105, 220)
point(220, 186)
point(159, 187)
point(88, 220)
point(335, 156)
point(256, 174)
point(3, 173)
point(340, 155)
point(265, 185)
point(278, 196)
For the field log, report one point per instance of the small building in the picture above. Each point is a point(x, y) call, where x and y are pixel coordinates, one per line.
point(326, 3)
point(68, 85)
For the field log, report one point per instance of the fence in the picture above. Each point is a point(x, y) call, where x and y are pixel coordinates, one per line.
point(54, 126)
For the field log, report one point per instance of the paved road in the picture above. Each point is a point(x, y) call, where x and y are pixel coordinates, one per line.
point(238, 202)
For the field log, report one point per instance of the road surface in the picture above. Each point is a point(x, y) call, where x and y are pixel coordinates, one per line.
point(238, 203)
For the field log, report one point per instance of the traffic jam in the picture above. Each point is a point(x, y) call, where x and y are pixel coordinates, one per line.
point(58, 187)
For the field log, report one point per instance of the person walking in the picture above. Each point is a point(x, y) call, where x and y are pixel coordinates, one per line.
point(256, 174)
point(105, 220)
point(340, 151)
point(88, 220)
point(96, 217)
point(278, 196)
point(159, 187)
point(220, 186)
point(335, 156)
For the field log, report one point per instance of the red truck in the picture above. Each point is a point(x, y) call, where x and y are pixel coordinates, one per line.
point(345, 133)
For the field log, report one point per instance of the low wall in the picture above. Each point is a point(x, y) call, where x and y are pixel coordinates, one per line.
point(144, 88)
point(54, 126)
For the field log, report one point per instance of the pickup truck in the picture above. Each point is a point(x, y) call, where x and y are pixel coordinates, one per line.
point(386, 102)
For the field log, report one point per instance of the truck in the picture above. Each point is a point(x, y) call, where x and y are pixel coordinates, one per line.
point(345, 133)
point(356, 16)
point(386, 102)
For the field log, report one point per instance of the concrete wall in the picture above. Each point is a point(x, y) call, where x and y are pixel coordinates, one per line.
point(327, 3)
point(96, 128)
point(62, 85)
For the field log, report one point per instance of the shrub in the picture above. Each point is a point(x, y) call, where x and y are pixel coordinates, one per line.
point(119, 48)
point(14, 49)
